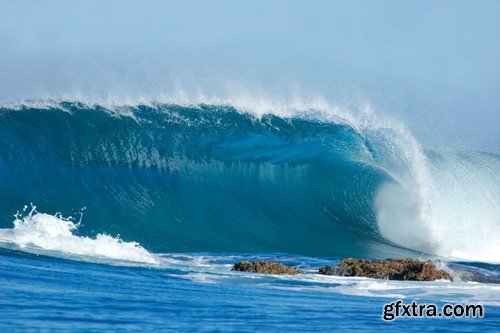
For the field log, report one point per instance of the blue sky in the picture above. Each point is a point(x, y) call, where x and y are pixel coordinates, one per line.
point(432, 64)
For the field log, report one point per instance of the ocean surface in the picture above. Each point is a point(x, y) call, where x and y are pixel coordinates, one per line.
point(130, 217)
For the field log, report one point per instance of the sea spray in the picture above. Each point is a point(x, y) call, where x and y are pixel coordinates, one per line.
point(54, 234)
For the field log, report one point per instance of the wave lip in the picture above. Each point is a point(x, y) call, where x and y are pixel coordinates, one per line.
point(51, 234)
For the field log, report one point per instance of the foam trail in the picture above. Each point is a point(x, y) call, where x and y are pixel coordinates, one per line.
point(54, 235)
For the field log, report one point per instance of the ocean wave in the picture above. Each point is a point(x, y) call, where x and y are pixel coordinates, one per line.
point(217, 178)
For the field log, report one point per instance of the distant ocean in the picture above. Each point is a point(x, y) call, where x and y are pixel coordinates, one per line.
point(131, 217)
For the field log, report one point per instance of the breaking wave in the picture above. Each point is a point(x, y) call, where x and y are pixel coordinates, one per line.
point(205, 177)
point(54, 235)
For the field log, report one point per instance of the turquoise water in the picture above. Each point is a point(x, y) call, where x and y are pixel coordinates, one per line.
point(130, 217)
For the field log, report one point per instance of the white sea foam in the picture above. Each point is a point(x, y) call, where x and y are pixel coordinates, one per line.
point(438, 290)
point(54, 235)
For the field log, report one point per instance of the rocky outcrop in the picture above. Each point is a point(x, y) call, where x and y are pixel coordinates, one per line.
point(392, 269)
point(331, 270)
point(264, 267)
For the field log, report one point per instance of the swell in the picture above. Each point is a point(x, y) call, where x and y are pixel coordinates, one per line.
point(212, 178)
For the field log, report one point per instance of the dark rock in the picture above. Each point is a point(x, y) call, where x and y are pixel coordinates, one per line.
point(331, 270)
point(264, 267)
point(392, 269)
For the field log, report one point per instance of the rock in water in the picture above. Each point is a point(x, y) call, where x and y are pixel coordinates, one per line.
point(393, 269)
point(264, 267)
point(331, 270)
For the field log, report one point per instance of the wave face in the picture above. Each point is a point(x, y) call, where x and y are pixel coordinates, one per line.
point(212, 178)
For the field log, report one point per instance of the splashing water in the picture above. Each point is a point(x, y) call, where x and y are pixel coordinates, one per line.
point(53, 234)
